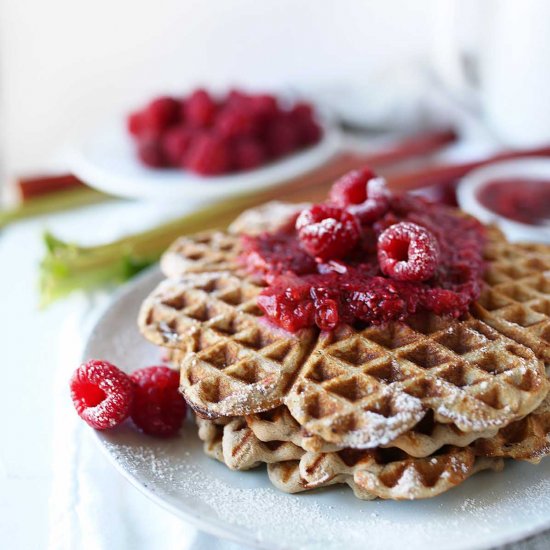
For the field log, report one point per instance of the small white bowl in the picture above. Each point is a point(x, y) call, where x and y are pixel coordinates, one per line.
point(468, 187)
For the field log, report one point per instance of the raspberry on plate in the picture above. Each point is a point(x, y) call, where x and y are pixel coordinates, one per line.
point(248, 153)
point(102, 394)
point(175, 144)
point(150, 153)
point(208, 155)
point(327, 232)
point(158, 408)
point(408, 252)
point(160, 114)
point(199, 109)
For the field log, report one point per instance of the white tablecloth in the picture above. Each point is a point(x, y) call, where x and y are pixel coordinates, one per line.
point(57, 490)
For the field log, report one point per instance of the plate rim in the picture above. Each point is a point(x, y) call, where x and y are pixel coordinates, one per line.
point(223, 530)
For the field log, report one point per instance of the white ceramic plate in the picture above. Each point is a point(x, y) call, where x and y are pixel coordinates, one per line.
point(537, 168)
point(487, 510)
point(107, 161)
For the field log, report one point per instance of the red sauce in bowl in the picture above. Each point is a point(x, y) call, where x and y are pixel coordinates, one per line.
point(519, 199)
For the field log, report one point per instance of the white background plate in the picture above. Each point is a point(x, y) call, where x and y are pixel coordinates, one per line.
point(108, 162)
point(487, 510)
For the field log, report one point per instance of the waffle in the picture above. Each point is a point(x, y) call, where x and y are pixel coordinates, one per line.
point(364, 388)
point(527, 439)
point(235, 444)
point(516, 297)
point(358, 388)
point(203, 252)
point(422, 440)
point(218, 251)
point(234, 363)
point(371, 474)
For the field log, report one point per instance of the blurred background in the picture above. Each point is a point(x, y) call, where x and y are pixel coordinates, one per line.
point(68, 66)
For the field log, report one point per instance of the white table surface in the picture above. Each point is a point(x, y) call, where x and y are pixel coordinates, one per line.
point(33, 350)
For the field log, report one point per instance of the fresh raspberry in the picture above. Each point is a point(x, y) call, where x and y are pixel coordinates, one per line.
point(327, 232)
point(282, 137)
point(175, 143)
point(351, 188)
point(158, 408)
point(238, 99)
point(161, 113)
point(134, 123)
point(408, 252)
point(264, 106)
point(208, 155)
point(301, 112)
point(200, 109)
point(376, 204)
point(248, 154)
point(150, 152)
point(310, 132)
point(102, 394)
point(232, 123)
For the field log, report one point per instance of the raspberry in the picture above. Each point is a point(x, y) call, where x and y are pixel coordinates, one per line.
point(158, 408)
point(134, 123)
point(175, 143)
point(150, 153)
point(208, 155)
point(408, 252)
point(327, 232)
point(351, 188)
point(282, 137)
point(376, 204)
point(102, 394)
point(248, 154)
point(232, 123)
point(264, 106)
point(310, 132)
point(199, 109)
point(160, 114)
point(301, 112)
point(238, 99)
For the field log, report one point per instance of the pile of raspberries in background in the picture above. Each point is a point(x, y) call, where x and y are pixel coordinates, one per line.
point(212, 136)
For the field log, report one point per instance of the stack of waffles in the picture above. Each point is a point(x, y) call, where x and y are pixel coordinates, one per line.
point(402, 410)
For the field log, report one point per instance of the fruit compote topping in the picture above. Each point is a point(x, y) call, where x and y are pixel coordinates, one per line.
point(367, 255)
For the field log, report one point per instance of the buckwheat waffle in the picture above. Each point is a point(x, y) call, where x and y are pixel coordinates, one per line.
point(235, 444)
point(526, 439)
point(203, 252)
point(516, 297)
point(236, 364)
point(424, 439)
point(363, 390)
point(218, 251)
point(371, 474)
